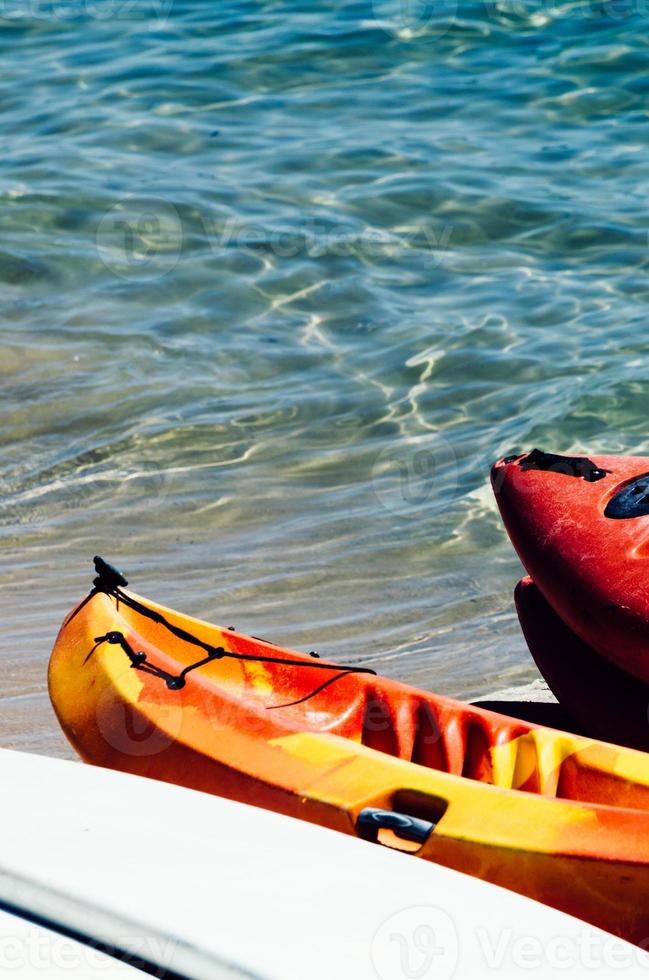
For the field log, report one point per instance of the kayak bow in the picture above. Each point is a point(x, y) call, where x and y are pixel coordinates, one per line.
point(581, 527)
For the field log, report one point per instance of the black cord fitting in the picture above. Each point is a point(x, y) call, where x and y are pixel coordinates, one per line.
point(175, 683)
point(108, 578)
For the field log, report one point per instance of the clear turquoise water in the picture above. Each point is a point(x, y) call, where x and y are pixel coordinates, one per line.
point(279, 281)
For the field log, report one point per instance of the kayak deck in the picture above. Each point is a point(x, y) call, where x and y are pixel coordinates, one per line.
point(427, 729)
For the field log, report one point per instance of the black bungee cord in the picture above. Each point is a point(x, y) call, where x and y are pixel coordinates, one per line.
point(111, 582)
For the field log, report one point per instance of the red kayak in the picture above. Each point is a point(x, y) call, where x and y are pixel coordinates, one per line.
point(601, 700)
point(581, 528)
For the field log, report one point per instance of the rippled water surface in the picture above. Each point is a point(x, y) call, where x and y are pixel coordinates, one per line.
point(279, 281)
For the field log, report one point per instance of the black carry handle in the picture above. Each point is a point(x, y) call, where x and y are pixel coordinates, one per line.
point(631, 500)
point(371, 820)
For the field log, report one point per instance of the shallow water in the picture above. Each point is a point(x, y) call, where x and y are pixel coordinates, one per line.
point(279, 281)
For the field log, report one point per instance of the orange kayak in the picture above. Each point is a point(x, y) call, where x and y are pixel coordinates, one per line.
point(562, 819)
